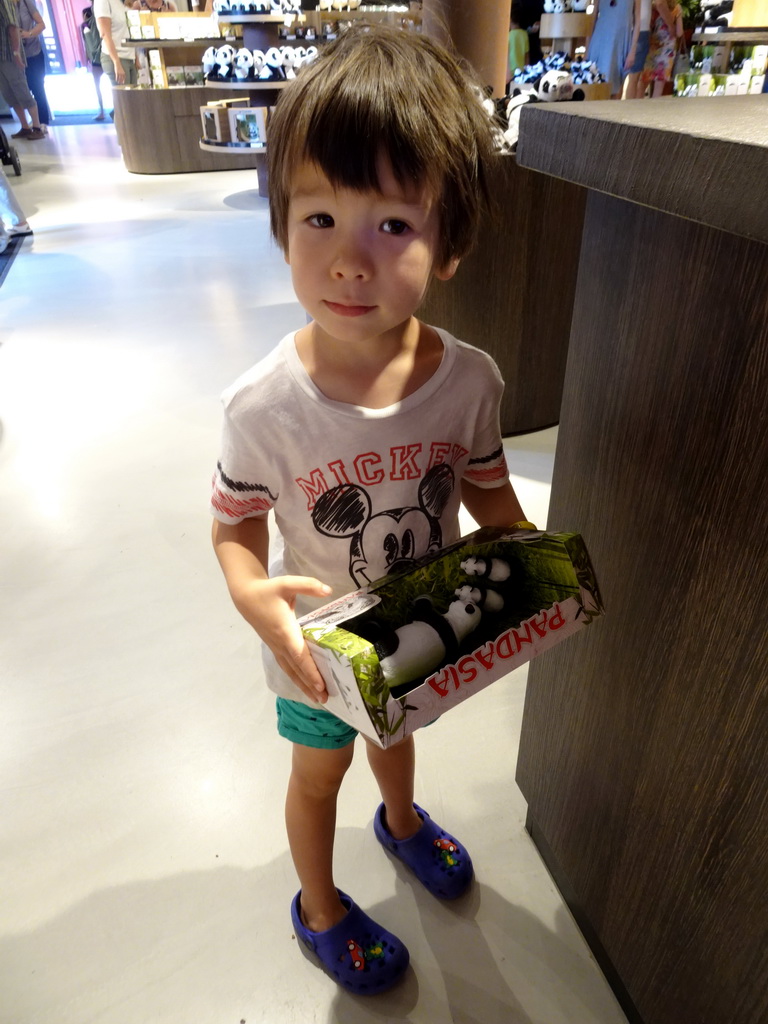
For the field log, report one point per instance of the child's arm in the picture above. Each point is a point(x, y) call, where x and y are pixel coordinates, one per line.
point(492, 506)
point(268, 604)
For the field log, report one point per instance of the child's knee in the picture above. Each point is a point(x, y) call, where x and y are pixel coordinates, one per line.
point(320, 772)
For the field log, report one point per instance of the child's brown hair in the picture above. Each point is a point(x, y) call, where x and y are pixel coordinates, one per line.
point(379, 91)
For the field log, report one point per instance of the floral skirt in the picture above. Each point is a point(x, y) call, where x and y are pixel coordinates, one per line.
point(661, 56)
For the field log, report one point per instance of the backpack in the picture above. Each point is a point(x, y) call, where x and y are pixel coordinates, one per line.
point(92, 38)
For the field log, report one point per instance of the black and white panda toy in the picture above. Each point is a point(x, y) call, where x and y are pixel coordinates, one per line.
point(417, 648)
point(553, 87)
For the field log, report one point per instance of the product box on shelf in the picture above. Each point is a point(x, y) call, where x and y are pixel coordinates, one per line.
point(140, 24)
point(157, 75)
point(215, 118)
point(175, 75)
point(402, 651)
point(248, 124)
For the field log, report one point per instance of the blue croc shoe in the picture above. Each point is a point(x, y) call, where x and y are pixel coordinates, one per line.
point(438, 860)
point(359, 954)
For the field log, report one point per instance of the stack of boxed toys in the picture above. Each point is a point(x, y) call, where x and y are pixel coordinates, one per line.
point(399, 653)
point(234, 122)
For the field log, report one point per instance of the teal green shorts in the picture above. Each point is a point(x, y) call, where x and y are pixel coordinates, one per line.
point(312, 727)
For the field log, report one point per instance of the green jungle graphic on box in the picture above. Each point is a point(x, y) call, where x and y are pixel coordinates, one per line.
point(412, 645)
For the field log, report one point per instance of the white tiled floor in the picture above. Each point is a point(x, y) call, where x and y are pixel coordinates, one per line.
point(144, 872)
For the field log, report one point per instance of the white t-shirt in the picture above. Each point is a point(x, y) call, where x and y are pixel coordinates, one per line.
point(116, 12)
point(356, 492)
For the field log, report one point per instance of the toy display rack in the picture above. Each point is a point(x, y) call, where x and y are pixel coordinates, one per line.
point(564, 29)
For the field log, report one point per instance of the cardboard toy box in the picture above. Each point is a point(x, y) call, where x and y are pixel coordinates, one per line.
point(550, 593)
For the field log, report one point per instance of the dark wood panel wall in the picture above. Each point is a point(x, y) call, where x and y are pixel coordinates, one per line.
point(513, 295)
point(644, 744)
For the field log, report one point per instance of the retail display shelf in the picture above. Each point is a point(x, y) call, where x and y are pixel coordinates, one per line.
point(736, 35)
point(154, 44)
point(566, 26)
point(233, 148)
point(247, 86)
point(234, 18)
point(364, 13)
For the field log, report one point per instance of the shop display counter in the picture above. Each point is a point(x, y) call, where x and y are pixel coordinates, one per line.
point(159, 131)
point(512, 296)
point(644, 745)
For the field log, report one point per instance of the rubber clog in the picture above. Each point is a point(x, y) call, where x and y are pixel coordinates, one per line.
point(437, 859)
point(358, 953)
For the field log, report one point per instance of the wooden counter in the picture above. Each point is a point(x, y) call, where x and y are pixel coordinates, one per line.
point(644, 744)
point(512, 296)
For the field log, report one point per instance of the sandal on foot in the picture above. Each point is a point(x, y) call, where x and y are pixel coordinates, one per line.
point(358, 953)
point(439, 862)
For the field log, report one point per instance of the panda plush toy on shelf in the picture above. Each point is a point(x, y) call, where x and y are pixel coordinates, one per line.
point(224, 64)
point(553, 87)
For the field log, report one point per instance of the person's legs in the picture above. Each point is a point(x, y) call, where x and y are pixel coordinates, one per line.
point(131, 73)
point(20, 99)
point(632, 90)
point(97, 72)
point(408, 832)
point(21, 116)
point(394, 770)
point(36, 82)
point(108, 67)
point(21, 113)
point(310, 818)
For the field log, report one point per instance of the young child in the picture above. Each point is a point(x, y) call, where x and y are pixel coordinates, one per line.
point(364, 430)
point(517, 46)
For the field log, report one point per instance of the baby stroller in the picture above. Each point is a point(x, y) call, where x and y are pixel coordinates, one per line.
point(8, 153)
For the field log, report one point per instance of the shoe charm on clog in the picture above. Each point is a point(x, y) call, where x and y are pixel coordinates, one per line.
point(360, 956)
point(447, 850)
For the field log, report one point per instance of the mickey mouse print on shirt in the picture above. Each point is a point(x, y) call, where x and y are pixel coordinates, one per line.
point(390, 541)
point(357, 494)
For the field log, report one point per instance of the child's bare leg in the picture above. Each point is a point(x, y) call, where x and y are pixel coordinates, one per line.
point(394, 770)
point(310, 817)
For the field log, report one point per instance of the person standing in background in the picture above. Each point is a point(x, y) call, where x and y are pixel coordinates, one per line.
point(13, 82)
point(89, 30)
point(158, 6)
point(530, 12)
point(611, 41)
point(518, 41)
point(666, 33)
point(638, 51)
point(117, 59)
point(31, 27)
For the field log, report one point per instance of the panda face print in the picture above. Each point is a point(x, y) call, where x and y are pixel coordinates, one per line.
point(389, 541)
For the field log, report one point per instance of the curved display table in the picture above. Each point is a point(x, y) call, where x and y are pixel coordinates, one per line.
point(644, 744)
point(159, 131)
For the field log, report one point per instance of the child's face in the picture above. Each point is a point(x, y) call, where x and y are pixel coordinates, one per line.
point(361, 261)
